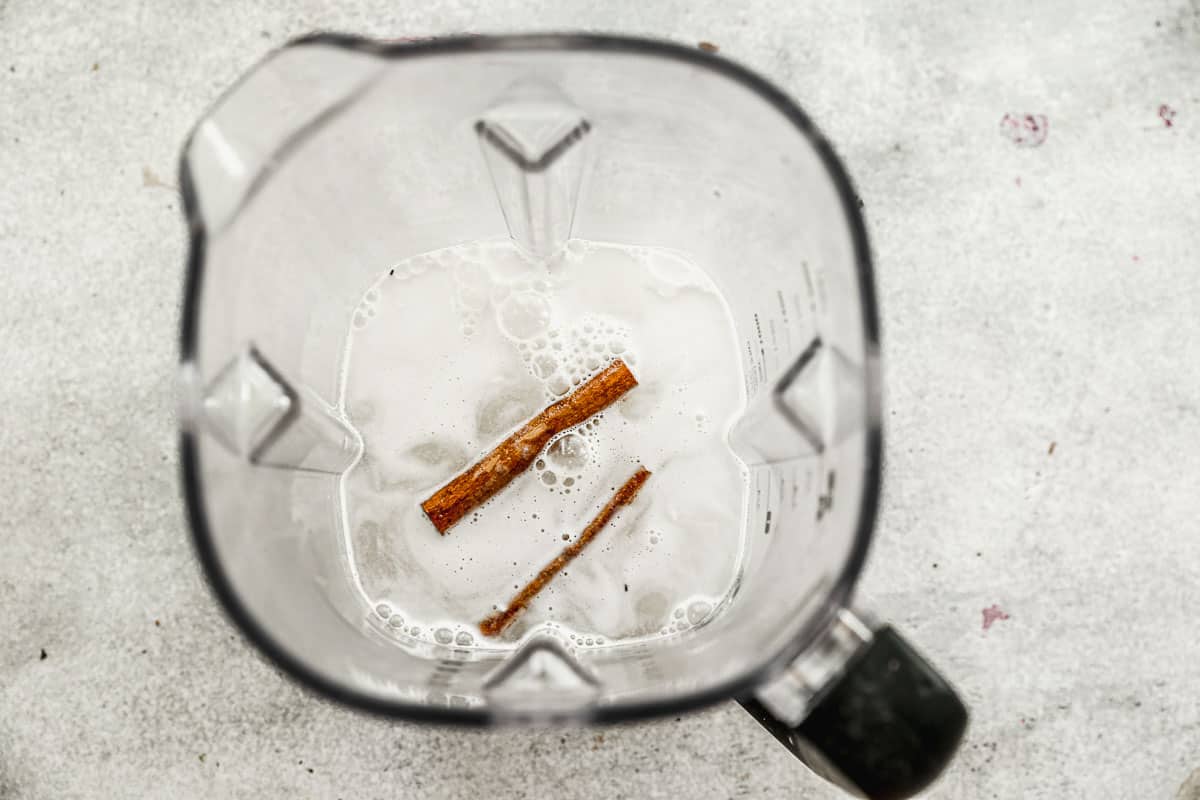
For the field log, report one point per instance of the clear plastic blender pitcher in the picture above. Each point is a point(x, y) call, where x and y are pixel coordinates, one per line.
point(337, 157)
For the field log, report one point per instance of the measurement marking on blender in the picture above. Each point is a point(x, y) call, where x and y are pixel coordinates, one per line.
point(808, 282)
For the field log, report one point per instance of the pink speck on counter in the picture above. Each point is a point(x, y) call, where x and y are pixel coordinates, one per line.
point(1025, 130)
point(1167, 115)
point(993, 614)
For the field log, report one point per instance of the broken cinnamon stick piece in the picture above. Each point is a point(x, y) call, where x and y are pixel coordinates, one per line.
point(495, 624)
point(513, 456)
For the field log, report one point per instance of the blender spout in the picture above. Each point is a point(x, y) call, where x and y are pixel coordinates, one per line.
point(532, 145)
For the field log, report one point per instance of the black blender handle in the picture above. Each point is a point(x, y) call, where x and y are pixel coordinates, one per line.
point(884, 729)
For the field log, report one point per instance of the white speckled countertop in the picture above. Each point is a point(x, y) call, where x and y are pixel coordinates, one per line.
point(1041, 317)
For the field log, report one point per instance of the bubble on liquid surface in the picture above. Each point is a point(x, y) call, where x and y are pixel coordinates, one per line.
point(698, 611)
point(576, 249)
point(472, 298)
point(383, 610)
point(396, 621)
point(544, 366)
point(372, 295)
point(463, 639)
point(679, 613)
point(549, 478)
point(523, 315)
point(558, 385)
point(568, 452)
point(443, 636)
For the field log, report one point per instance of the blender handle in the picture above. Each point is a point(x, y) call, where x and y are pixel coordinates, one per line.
point(884, 729)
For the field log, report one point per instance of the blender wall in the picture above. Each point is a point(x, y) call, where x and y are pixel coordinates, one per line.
point(326, 165)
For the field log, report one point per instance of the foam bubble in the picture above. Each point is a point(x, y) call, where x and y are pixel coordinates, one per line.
point(569, 452)
point(383, 610)
point(523, 315)
point(544, 366)
point(698, 611)
point(443, 636)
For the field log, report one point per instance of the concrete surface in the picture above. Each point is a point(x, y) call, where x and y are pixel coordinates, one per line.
point(1033, 298)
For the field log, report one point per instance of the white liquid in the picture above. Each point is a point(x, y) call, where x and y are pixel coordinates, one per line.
point(450, 351)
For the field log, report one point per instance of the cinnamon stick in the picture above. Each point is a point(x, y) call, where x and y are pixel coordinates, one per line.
point(513, 456)
point(495, 624)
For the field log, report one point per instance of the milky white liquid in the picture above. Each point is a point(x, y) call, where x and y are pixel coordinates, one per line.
point(451, 351)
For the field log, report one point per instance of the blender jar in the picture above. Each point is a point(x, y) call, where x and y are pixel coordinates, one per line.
point(336, 157)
